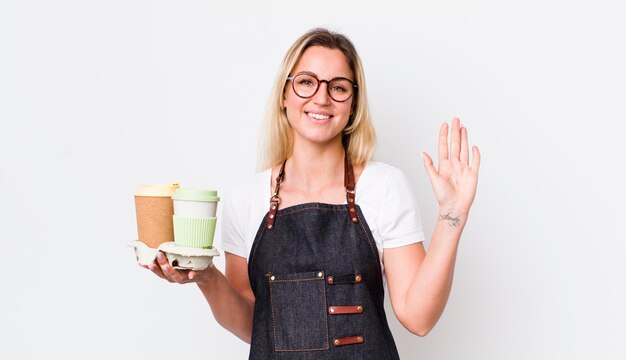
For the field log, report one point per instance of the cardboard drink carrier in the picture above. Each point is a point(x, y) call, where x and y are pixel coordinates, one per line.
point(185, 236)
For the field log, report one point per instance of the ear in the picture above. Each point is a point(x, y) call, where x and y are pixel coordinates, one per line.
point(284, 102)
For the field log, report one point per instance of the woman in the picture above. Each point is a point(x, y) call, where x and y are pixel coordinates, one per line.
point(304, 274)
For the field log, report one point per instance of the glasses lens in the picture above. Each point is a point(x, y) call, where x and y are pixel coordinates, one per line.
point(305, 85)
point(340, 89)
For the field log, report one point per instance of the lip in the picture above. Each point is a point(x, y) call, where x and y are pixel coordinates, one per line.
point(322, 113)
point(318, 112)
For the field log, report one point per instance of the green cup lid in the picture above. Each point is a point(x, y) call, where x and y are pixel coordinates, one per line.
point(195, 195)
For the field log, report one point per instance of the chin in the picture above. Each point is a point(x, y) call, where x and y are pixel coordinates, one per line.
point(324, 139)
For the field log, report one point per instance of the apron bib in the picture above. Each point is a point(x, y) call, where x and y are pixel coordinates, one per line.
point(316, 276)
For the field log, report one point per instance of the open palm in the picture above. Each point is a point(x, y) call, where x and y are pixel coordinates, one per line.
point(454, 183)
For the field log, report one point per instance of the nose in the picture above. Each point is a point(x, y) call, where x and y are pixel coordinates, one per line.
point(321, 97)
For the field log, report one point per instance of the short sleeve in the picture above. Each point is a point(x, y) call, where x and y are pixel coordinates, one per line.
point(233, 239)
point(399, 218)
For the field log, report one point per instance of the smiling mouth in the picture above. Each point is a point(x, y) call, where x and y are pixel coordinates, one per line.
point(319, 116)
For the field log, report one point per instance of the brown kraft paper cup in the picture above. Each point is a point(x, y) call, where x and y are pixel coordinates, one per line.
point(154, 208)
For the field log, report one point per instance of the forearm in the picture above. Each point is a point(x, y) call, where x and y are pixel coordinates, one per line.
point(231, 309)
point(429, 289)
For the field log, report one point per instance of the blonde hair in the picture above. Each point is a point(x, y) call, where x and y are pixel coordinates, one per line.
point(359, 137)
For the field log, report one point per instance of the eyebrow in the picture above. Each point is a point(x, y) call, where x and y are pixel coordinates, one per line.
point(314, 74)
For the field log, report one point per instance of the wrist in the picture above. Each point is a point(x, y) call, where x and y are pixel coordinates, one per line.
point(452, 216)
point(206, 278)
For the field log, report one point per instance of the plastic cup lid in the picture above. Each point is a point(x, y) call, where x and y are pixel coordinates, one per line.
point(196, 195)
point(162, 190)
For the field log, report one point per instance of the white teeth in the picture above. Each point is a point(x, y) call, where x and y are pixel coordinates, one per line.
point(318, 116)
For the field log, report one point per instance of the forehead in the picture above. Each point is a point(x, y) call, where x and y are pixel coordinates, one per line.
point(324, 62)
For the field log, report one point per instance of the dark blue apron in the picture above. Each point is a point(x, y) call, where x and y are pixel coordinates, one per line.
point(316, 276)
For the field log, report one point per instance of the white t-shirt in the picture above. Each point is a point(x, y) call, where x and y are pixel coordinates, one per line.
point(382, 192)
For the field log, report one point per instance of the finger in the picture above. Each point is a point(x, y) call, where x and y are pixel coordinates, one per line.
point(166, 268)
point(476, 158)
point(161, 259)
point(194, 275)
point(156, 269)
point(430, 167)
point(443, 142)
point(169, 271)
point(464, 147)
point(455, 139)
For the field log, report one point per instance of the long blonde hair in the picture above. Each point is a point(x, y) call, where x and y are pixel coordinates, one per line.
point(359, 137)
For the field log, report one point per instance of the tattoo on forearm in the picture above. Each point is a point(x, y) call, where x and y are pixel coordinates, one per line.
point(452, 221)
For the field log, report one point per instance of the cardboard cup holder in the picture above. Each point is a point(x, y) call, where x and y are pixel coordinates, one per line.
point(180, 257)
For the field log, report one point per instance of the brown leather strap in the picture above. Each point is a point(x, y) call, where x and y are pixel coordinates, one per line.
point(350, 195)
point(275, 199)
point(348, 340)
point(340, 310)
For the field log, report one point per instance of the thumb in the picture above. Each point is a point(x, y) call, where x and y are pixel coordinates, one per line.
point(430, 167)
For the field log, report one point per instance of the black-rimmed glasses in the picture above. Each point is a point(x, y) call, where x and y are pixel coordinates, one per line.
point(305, 85)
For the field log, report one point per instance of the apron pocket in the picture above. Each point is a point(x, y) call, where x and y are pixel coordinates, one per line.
point(299, 311)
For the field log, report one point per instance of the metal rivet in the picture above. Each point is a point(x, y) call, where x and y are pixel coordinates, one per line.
point(269, 226)
point(320, 274)
point(330, 279)
point(351, 210)
point(354, 219)
point(273, 278)
point(357, 278)
point(359, 308)
point(350, 200)
point(271, 216)
point(336, 342)
point(332, 310)
point(273, 207)
point(359, 339)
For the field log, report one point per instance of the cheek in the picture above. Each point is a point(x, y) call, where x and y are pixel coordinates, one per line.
point(290, 100)
point(287, 95)
point(293, 104)
point(292, 109)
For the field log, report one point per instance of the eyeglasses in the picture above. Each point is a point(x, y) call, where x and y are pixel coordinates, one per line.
point(305, 85)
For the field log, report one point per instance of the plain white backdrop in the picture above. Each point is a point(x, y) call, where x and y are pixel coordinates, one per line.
point(98, 97)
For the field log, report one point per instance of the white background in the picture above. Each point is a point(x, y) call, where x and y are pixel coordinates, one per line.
point(97, 98)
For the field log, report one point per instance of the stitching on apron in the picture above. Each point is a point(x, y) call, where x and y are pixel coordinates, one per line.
point(274, 319)
point(257, 241)
point(293, 280)
point(311, 208)
point(369, 241)
point(269, 283)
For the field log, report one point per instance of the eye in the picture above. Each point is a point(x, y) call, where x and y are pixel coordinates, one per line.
point(340, 86)
point(305, 82)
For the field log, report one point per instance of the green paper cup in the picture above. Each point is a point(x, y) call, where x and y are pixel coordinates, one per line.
point(196, 203)
point(196, 232)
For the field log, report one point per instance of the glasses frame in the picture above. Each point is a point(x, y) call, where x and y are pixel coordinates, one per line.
point(319, 82)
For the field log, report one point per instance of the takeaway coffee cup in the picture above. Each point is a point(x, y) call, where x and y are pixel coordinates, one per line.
point(194, 217)
point(154, 208)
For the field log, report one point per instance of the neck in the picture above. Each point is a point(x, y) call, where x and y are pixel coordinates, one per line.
point(313, 166)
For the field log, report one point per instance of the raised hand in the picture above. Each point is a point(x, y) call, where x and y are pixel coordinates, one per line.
point(454, 183)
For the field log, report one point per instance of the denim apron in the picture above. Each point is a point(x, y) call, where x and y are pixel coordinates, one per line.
point(315, 273)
